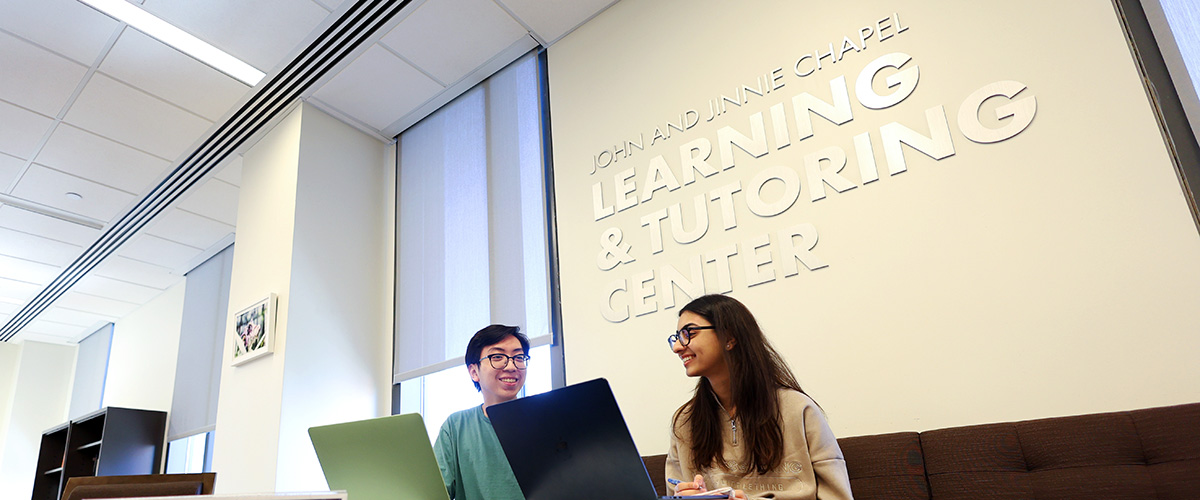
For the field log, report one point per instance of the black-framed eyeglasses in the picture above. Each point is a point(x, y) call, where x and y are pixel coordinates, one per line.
point(684, 335)
point(500, 361)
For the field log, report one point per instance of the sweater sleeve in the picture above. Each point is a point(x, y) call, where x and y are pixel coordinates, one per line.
point(674, 469)
point(445, 449)
point(829, 466)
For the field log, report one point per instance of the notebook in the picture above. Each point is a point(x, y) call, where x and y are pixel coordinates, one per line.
point(573, 443)
point(386, 458)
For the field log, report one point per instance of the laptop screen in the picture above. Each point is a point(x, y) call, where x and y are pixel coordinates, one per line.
point(572, 443)
point(380, 459)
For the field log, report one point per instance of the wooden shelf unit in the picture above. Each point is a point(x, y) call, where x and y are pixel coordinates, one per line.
point(108, 442)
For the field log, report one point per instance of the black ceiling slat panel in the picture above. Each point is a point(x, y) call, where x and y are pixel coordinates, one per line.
point(354, 26)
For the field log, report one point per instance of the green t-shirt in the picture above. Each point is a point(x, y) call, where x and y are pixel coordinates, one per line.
point(473, 463)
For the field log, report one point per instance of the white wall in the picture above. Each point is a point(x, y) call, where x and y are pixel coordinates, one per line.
point(334, 372)
point(10, 360)
point(248, 410)
point(145, 348)
point(311, 220)
point(39, 401)
point(1055, 272)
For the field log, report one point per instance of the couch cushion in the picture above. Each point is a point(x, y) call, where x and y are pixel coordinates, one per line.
point(1149, 454)
point(1171, 441)
point(887, 466)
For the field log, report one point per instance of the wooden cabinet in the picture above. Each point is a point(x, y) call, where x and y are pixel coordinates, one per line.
point(109, 442)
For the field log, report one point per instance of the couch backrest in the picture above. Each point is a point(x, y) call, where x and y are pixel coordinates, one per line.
point(886, 466)
point(656, 466)
point(1133, 455)
point(1151, 454)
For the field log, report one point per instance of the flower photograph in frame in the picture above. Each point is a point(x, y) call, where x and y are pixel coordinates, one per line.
point(254, 331)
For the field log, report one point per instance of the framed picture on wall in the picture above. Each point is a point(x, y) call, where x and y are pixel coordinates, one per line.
point(254, 331)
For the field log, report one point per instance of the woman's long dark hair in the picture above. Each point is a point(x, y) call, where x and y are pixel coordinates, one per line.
point(756, 373)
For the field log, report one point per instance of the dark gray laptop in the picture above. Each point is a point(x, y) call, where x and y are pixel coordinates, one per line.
point(573, 443)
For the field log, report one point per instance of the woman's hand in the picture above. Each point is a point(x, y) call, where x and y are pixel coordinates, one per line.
point(693, 488)
point(697, 487)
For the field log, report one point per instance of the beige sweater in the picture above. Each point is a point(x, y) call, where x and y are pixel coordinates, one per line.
point(812, 467)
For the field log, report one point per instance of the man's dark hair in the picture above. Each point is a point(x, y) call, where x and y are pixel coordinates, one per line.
point(490, 335)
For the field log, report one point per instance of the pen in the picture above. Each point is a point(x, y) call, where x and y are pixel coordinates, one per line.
point(673, 481)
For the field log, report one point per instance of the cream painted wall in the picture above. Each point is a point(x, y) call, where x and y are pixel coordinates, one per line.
point(145, 348)
point(311, 226)
point(248, 411)
point(1052, 273)
point(334, 371)
point(10, 360)
point(41, 396)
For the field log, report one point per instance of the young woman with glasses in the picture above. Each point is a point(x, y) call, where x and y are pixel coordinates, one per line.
point(748, 426)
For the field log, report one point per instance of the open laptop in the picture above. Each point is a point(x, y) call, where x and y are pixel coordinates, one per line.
point(386, 458)
point(320, 495)
point(573, 443)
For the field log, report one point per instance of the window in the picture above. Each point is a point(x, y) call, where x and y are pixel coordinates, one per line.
point(472, 246)
point(190, 455)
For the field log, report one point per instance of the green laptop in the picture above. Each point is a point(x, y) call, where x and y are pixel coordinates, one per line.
point(386, 458)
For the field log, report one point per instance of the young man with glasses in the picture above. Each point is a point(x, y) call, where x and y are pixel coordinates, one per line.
point(472, 462)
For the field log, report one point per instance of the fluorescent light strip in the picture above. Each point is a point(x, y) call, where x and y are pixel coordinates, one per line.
point(167, 33)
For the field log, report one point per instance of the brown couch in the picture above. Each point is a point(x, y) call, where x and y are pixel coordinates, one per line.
point(1142, 454)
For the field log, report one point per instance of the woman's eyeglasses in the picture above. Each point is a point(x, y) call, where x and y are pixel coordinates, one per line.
point(500, 361)
point(684, 335)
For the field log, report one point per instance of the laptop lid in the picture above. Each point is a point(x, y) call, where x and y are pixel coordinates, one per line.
point(386, 458)
point(572, 443)
point(319, 495)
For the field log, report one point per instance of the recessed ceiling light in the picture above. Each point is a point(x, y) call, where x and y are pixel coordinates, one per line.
point(74, 196)
point(167, 33)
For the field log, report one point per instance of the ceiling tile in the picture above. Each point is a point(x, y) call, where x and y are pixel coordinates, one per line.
point(21, 291)
point(21, 130)
point(551, 19)
point(27, 271)
point(10, 166)
point(87, 155)
point(36, 78)
point(378, 88)
point(215, 199)
point(136, 271)
point(49, 187)
point(73, 317)
point(95, 305)
point(157, 251)
point(36, 248)
point(188, 228)
point(43, 327)
point(230, 170)
point(115, 289)
point(48, 227)
point(130, 116)
point(262, 32)
point(450, 38)
point(331, 4)
point(7, 309)
point(161, 70)
point(64, 26)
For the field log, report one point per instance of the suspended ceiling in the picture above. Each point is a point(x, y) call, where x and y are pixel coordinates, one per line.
point(94, 114)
